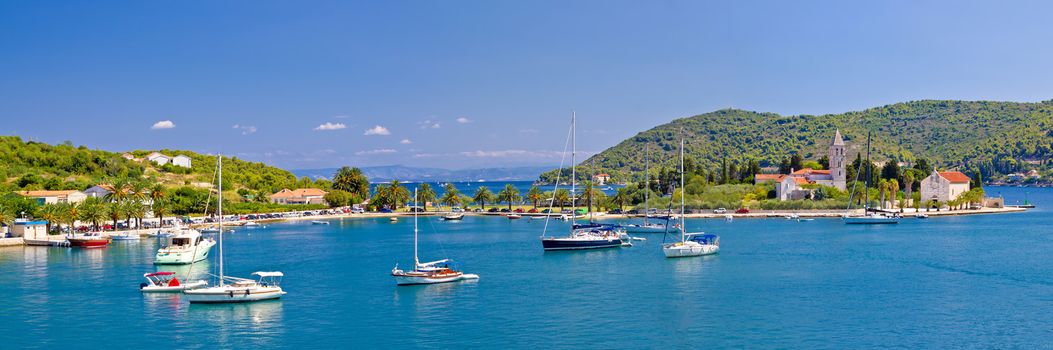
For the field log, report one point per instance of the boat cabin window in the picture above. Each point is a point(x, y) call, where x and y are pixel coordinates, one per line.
point(180, 241)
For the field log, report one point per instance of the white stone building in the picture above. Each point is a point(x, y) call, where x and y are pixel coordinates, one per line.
point(944, 186)
point(158, 158)
point(181, 160)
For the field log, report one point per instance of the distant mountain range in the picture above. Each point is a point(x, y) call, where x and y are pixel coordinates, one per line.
point(405, 173)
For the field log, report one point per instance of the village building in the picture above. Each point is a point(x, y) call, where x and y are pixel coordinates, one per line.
point(790, 186)
point(299, 196)
point(944, 186)
point(181, 160)
point(98, 191)
point(158, 158)
point(29, 229)
point(601, 179)
point(129, 156)
point(52, 197)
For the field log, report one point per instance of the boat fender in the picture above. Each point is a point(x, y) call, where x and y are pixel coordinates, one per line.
point(143, 285)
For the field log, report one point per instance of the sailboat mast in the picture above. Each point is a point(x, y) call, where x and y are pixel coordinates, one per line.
point(416, 260)
point(573, 165)
point(219, 171)
point(683, 192)
point(647, 181)
point(866, 189)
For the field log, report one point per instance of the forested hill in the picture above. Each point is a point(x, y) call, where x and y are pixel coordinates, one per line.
point(996, 138)
point(36, 166)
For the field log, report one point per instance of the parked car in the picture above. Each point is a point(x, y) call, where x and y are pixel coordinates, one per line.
point(505, 210)
point(385, 210)
point(358, 210)
point(720, 211)
point(477, 210)
point(532, 210)
point(518, 210)
point(492, 210)
point(742, 211)
point(615, 211)
point(633, 212)
point(416, 210)
point(546, 211)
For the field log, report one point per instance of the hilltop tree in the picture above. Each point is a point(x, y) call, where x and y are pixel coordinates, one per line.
point(451, 197)
point(621, 197)
point(796, 162)
point(890, 170)
point(908, 185)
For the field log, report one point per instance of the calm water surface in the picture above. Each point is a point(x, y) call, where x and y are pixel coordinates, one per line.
point(972, 282)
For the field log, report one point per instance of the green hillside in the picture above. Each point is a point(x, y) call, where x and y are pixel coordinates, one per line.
point(995, 138)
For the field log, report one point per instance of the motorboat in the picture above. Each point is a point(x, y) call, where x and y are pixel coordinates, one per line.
point(514, 216)
point(89, 240)
point(649, 227)
point(441, 271)
point(870, 219)
point(238, 290)
point(922, 216)
point(252, 224)
point(393, 219)
point(319, 222)
point(693, 243)
point(793, 216)
point(454, 216)
point(166, 282)
point(186, 247)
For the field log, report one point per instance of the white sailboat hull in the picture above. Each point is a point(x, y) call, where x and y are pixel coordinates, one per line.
point(649, 228)
point(688, 249)
point(411, 280)
point(233, 294)
point(175, 289)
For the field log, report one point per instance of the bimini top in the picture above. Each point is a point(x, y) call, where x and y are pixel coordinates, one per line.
point(160, 273)
point(268, 273)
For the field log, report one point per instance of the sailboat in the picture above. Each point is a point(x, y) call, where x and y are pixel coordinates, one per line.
point(693, 243)
point(868, 217)
point(239, 290)
point(592, 236)
point(647, 226)
point(440, 271)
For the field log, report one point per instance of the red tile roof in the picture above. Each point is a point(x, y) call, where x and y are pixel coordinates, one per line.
point(955, 176)
point(298, 193)
point(768, 177)
point(46, 193)
point(809, 171)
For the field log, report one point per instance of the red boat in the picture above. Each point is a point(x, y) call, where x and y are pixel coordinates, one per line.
point(89, 241)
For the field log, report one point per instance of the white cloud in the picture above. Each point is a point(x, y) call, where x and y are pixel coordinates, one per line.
point(510, 153)
point(375, 151)
point(377, 130)
point(164, 124)
point(429, 124)
point(405, 141)
point(245, 129)
point(331, 126)
point(463, 120)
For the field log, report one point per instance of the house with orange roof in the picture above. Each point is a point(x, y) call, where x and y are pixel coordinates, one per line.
point(52, 197)
point(944, 186)
point(601, 179)
point(299, 196)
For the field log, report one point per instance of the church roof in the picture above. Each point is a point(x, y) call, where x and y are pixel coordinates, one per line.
point(838, 140)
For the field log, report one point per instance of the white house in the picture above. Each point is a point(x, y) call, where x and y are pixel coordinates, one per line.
point(29, 229)
point(789, 188)
point(158, 158)
point(944, 186)
point(52, 197)
point(299, 196)
point(181, 160)
point(98, 191)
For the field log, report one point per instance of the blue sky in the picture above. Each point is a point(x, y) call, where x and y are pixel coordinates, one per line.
point(483, 83)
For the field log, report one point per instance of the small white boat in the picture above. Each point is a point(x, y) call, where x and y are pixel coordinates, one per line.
point(187, 247)
point(805, 220)
point(252, 224)
point(693, 244)
point(453, 216)
point(870, 219)
point(166, 282)
point(793, 217)
point(649, 227)
point(922, 216)
point(239, 290)
point(393, 219)
point(210, 229)
point(441, 271)
point(514, 216)
point(319, 222)
point(728, 217)
point(125, 236)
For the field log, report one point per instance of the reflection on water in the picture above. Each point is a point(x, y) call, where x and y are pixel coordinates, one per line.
point(240, 325)
point(190, 272)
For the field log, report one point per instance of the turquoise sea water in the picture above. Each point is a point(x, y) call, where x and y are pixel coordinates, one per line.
point(957, 282)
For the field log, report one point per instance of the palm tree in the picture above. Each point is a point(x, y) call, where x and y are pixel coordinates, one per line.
point(483, 195)
point(118, 189)
point(588, 195)
point(509, 194)
point(535, 195)
point(71, 212)
point(138, 191)
point(425, 194)
point(451, 197)
point(158, 192)
point(7, 215)
point(138, 211)
point(128, 211)
point(908, 183)
point(94, 211)
point(50, 213)
point(398, 194)
point(562, 196)
point(621, 197)
point(113, 211)
point(893, 190)
point(882, 186)
point(160, 207)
